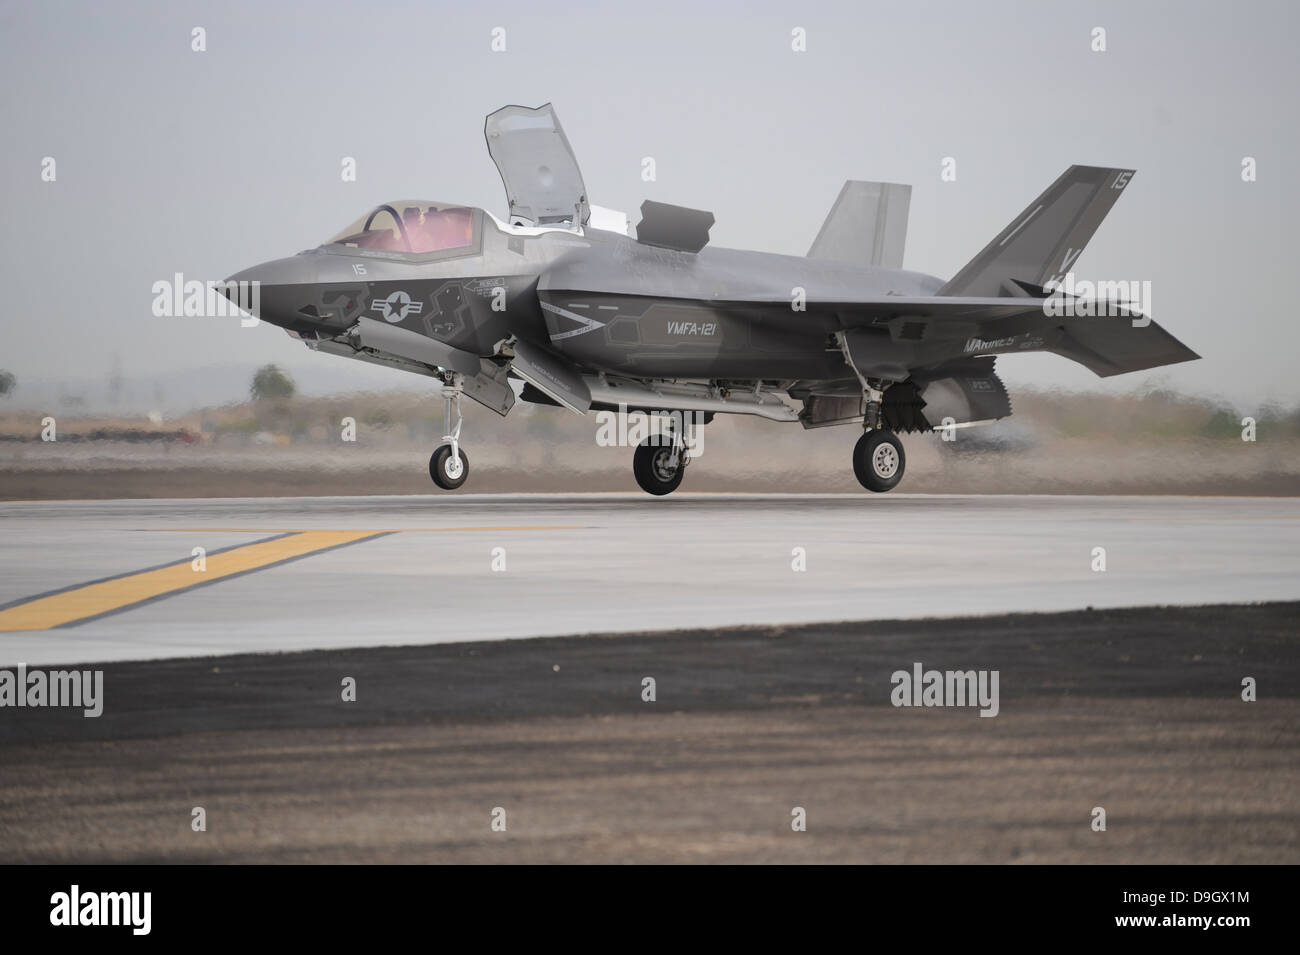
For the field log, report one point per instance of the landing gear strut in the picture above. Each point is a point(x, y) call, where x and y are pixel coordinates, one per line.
point(448, 465)
point(878, 460)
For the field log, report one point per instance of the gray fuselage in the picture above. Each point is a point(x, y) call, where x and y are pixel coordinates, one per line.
point(601, 299)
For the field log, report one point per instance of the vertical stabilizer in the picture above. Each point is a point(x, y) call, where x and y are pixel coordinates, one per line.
point(1042, 243)
point(866, 226)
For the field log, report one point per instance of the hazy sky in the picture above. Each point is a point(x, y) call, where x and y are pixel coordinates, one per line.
point(171, 161)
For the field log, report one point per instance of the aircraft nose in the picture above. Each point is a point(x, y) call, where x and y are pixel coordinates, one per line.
point(295, 270)
point(271, 290)
point(246, 275)
point(241, 286)
point(243, 290)
point(266, 273)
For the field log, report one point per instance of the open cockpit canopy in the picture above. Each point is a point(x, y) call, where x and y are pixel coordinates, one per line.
point(543, 182)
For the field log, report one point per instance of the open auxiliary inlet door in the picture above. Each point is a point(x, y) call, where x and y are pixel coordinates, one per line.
point(542, 179)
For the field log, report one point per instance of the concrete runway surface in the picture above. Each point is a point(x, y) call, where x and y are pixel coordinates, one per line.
point(319, 573)
point(1134, 711)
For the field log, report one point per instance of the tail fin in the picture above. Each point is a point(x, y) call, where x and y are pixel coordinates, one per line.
point(866, 226)
point(1043, 242)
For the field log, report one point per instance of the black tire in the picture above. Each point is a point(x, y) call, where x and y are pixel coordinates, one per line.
point(438, 468)
point(878, 461)
point(650, 465)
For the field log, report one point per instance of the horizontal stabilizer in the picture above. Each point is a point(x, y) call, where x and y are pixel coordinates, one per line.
point(888, 337)
point(1114, 346)
point(866, 226)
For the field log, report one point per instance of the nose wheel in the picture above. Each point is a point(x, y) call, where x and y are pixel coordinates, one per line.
point(448, 470)
point(448, 466)
point(878, 460)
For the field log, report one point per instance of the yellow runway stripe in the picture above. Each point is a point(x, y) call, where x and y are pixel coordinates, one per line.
point(387, 530)
point(91, 600)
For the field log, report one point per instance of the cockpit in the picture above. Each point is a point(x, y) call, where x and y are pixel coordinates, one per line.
point(410, 225)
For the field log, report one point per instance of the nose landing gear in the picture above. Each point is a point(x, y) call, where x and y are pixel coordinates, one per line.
point(448, 466)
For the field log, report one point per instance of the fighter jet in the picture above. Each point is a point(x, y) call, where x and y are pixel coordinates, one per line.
point(559, 303)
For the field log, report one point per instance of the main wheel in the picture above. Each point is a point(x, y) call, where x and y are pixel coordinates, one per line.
point(878, 460)
point(652, 465)
point(447, 472)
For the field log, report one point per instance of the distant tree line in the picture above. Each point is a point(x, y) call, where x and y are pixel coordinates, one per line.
point(270, 382)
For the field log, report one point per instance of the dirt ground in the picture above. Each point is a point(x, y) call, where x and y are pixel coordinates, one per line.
point(1134, 711)
point(812, 462)
point(1152, 442)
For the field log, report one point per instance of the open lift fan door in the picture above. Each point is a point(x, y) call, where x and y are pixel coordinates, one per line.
point(542, 179)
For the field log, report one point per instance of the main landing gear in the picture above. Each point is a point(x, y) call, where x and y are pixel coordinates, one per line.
point(659, 462)
point(448, 466)
point(659, 468)
point(878, 460)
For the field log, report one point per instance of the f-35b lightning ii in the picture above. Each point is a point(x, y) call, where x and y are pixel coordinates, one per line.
point(559, 297)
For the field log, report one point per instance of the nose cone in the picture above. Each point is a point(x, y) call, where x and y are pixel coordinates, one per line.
point(275, 291)
point(295, 270)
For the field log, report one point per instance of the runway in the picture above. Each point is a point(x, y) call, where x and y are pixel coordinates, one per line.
point(100, 581)
point(762, 708)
